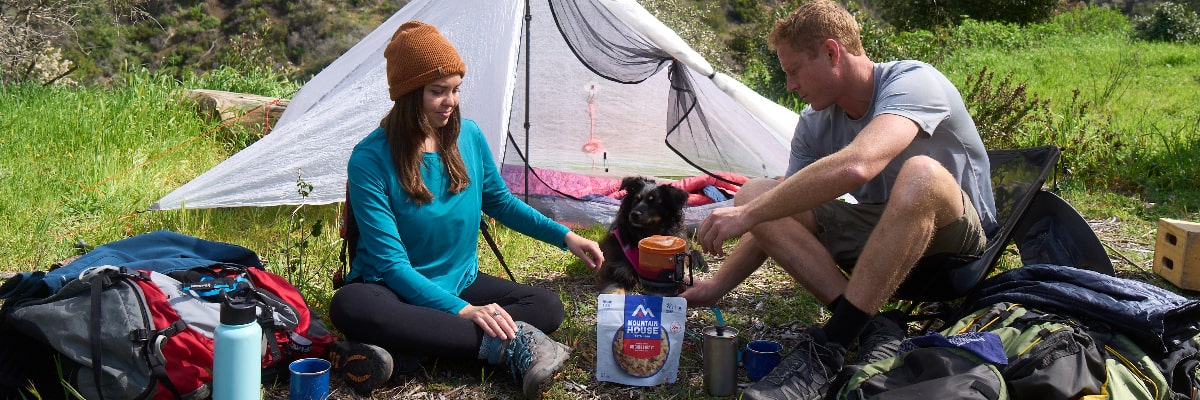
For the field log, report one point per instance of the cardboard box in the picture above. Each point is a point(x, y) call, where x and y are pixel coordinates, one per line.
point(1177, 253)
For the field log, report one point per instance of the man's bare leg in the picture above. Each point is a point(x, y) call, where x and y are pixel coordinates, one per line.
point(926, 197)
point(789, 241)
point(793, 245)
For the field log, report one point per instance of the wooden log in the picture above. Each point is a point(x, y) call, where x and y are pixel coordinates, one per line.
point(249, 110)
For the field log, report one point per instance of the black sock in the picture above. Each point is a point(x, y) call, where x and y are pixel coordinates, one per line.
point(846, 322)
point(833, 305)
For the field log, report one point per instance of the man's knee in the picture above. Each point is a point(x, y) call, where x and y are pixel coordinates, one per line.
point(921, 177)
point(925, 186)
point(752, 189)
point(923, 167)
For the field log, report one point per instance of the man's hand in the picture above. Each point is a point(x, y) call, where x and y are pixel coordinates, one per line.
point(702, 294)
point(722, 224)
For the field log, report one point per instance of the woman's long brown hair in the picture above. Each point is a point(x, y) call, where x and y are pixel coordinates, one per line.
point(407, 128)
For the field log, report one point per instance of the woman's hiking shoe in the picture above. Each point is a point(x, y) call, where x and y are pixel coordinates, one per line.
point(533, 358)
point(363, 367)
point(805, 374)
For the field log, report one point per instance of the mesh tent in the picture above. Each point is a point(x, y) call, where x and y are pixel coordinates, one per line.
point(573, 95)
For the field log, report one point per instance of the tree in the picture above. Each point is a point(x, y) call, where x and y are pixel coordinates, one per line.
point(28, 30)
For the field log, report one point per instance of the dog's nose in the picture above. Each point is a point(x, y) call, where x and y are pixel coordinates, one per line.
point(635, 214)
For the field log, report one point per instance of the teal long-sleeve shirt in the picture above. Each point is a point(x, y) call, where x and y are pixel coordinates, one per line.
point(427, 253)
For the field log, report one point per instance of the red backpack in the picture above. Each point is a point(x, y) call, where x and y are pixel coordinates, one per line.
point(142, 333)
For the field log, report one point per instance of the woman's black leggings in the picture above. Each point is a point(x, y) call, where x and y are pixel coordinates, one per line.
point(372, 313)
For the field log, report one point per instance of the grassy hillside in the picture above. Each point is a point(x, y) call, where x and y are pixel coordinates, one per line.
point(1124, 110)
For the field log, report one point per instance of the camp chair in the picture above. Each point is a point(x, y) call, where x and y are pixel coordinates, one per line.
point(1041, 223)
point(1052, 232)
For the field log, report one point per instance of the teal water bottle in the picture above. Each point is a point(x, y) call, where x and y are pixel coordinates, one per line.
point(237, 352)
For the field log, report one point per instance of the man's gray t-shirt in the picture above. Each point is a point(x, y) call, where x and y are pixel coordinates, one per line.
point(917, 91)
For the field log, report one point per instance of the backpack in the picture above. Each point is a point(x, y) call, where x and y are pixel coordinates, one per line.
point(925, 374)
point(147, 333)
point(1048, 356)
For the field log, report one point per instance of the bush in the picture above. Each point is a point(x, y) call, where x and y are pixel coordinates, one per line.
point(760, 67)
point(1169, 22)
point(883, 43)
point(1090, 20)
point(931, 14)
point(746, 11)
point(243, 72)
point(1012, 11)
point(992, 35)
point(1004, 112)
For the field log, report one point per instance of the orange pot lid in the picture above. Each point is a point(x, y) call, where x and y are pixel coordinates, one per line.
point(661, 243)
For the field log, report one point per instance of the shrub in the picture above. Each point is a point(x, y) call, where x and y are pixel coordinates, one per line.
point(991, 35)
point(687, 20)
point(930, 14)
point(1011, 11)
point(1169, 22)
point(760, 66)
point(243, 72)
point(28, 36)
point(1090, 20)
point(883, 43)
point(1004, 112)
point(746, 11)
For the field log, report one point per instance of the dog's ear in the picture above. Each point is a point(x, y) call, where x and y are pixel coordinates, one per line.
point(676, 195)
point(632, 184)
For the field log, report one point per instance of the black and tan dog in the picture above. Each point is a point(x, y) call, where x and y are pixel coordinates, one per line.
point(647, 209)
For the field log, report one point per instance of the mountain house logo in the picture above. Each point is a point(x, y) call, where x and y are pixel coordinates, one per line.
point(642, 312)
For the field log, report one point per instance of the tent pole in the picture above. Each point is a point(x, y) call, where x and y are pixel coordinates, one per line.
point(528, 17)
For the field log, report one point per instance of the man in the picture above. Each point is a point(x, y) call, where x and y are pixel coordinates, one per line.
point(898, 138)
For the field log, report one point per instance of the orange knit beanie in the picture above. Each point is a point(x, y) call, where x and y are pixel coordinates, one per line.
point(417, 55)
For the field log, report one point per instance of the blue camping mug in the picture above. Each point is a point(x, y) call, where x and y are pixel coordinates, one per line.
point(309, 379)
point(760, 357)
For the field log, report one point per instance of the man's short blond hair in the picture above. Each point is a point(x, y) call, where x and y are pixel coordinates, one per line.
point(810, 24)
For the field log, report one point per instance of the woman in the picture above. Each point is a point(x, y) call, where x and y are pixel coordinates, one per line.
point(417, 186)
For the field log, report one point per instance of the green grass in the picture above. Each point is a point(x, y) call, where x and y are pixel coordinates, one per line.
point(1139, 124)
point(83, 164)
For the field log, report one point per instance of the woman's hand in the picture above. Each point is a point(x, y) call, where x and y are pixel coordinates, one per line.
point(586, 249)
point(494, 320)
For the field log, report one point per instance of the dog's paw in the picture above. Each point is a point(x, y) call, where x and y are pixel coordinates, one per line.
point(698, 261)
point(613, 289)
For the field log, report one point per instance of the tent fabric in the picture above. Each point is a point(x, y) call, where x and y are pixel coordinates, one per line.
point(608, 190)
point(568, 119)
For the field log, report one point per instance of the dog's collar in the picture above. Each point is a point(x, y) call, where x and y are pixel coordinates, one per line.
point(631, 252)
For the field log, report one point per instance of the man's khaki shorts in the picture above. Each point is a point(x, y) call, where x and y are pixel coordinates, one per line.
point(844, 228)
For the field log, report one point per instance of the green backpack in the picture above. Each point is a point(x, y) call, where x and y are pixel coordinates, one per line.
point(1050, 356)
point(928, 373)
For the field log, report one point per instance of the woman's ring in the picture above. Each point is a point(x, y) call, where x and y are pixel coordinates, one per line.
point(495, 313)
